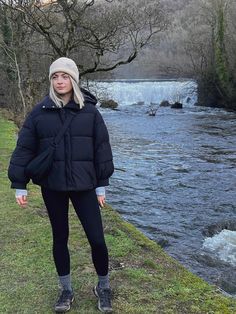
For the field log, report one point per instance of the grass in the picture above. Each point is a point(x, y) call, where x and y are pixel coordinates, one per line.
point(144, 278)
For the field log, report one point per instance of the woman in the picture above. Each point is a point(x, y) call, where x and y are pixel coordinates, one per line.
point(81, 168)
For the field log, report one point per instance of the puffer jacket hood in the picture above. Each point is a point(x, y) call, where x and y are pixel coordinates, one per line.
point(88, 97)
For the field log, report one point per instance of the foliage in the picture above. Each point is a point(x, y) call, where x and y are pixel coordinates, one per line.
point(205, 37)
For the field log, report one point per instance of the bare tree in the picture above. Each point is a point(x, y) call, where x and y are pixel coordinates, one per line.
point(10, 48)
point(104, 34)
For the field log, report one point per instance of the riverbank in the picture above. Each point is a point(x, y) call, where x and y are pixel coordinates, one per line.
point(143, 277)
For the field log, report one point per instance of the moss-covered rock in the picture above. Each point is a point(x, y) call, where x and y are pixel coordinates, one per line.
point(165, 103)
point(108, 103)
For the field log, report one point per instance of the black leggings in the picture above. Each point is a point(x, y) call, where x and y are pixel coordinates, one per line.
point(87, 209)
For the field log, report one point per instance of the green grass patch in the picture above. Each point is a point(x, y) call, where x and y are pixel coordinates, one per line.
point(144, 278)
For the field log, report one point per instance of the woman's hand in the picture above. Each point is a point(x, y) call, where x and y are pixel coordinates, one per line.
point(22, 200)
point(101, 200)
point(101, 195)
point(21, 197)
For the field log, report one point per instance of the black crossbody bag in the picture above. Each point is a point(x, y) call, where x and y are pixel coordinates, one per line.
point(39, 167)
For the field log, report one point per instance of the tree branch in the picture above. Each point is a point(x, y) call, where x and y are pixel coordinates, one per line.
point(95, 68)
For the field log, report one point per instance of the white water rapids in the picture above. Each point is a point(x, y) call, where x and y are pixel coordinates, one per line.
point(223, 246)
point(130, 92)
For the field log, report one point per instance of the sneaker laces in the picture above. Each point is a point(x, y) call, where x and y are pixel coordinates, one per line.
point(105, 296)
point(65, 295)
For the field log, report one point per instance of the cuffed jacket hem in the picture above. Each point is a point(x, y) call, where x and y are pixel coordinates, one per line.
point(18, 185)
point(104, 182)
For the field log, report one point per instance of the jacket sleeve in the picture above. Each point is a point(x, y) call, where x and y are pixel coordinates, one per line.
point(24, 152)
point(102, 152)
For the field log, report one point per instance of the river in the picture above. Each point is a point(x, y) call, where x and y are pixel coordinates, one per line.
point(175, 174)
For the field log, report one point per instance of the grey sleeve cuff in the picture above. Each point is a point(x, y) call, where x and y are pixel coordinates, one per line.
point(100, 191)
point(20, 192)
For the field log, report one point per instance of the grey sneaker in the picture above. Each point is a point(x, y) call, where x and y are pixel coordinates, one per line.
point(64, 301)
point(104, 299)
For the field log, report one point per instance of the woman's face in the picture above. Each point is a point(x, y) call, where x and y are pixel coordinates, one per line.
point(62, 83)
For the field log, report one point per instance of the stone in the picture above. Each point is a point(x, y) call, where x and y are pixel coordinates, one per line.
point(177, 105)
point(109, 103)
point(217, 227)
point(165, 103)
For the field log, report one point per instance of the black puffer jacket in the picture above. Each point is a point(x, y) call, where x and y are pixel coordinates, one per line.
point(83, 158)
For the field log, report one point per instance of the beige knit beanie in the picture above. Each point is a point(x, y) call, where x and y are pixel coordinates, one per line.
point(65, 65)
point(68, 66)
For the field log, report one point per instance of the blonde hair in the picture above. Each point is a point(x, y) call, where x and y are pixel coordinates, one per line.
point(78, 96)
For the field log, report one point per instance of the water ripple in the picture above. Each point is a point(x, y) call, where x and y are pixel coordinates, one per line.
point(175, 173)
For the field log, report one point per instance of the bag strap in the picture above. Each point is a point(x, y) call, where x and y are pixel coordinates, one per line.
point(62, 131)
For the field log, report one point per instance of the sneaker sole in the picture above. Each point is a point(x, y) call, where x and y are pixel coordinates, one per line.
point(99, 305)
point(67, 310)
